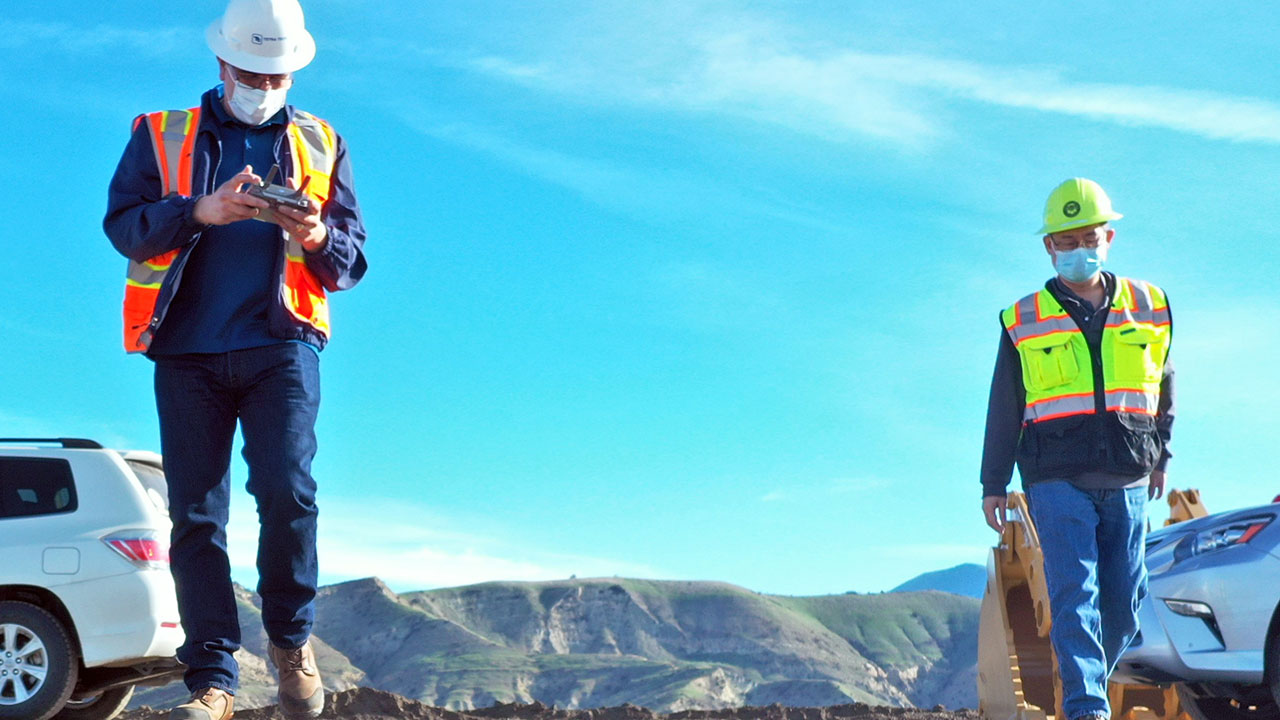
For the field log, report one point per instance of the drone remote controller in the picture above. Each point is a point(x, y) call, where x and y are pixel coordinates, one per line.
point(279, 196)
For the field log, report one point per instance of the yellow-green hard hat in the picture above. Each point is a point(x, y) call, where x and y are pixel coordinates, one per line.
point(1076, 203)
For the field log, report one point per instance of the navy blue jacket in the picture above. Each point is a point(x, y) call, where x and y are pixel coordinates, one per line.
point(141, 224)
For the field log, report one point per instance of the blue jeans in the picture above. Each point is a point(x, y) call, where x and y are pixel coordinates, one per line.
point(274, 393)
point(1094, 566)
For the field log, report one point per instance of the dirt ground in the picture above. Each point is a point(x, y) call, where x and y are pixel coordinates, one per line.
point(368, 704)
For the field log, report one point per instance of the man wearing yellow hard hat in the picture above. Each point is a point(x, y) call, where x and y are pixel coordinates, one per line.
point(240, 218)
point(1082, 401)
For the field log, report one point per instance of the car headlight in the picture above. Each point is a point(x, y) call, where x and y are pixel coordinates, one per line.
point(1237, 532)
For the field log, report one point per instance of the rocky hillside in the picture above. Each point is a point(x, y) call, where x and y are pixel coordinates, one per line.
point(669, 646)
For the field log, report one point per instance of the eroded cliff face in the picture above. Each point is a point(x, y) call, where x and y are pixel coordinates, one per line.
point(737, 640)
point(668, 646)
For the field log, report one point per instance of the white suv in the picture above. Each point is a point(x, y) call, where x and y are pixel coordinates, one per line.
point(87, 605)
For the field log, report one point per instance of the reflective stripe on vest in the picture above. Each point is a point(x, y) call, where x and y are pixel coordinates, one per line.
point(173, 140)
point(1056, 364)
point(313, 147)
point(1136, 342)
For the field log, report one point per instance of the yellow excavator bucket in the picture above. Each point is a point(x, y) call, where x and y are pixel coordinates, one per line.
point(1144, 702)
point(1184, 505)
point(1017, 668)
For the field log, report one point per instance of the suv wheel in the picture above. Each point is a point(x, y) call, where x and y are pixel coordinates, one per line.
point(103, 706)
point(38, 663)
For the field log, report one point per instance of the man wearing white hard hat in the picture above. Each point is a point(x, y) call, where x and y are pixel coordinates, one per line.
point(228, 293)
point(1082, 401)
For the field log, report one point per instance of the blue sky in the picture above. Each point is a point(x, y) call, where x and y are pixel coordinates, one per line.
point(692, 290)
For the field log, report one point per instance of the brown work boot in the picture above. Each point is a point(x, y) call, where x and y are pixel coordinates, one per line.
point(301, 694)
point(207, 704)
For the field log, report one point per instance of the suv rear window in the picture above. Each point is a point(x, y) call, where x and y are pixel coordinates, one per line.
point(152, 478)
point(35, 486)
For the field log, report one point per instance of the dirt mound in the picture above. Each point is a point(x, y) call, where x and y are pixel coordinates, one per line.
point(369, 704)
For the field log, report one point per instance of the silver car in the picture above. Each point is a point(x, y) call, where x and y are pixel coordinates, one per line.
point(1209, 623)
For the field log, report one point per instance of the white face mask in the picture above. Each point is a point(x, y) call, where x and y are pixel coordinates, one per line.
point(252, 106)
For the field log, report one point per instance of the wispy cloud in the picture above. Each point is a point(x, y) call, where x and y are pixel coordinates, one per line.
point(502, 66)
point(815, 492)
point(1208, 114)
point(766, 74)
point(1216, 358)
point(23, 424)
point(80, 39)
point(718, 295)
point(410, 548)
point(14, 424)
point(30, 329)
point(633, 189)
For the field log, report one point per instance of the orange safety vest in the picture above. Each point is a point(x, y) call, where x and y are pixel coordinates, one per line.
point(313, 149)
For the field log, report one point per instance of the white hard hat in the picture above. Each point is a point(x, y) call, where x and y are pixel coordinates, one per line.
point(262, 36)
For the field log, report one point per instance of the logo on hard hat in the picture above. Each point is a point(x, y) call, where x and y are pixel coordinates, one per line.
point(256, 38)
point(1071, 209)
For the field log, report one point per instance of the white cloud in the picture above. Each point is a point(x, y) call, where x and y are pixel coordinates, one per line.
point(718, 295)
point(637, 190)
point(412, 548)
point(766, 75)
point(26, 425)
point(817, 492)
point(75, 38)
point(501, 66)
point(1208, 114)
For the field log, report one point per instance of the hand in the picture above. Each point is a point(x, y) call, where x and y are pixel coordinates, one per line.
point(305, 227)
point(227, 204)
point(993, 507)
point(1155, 488)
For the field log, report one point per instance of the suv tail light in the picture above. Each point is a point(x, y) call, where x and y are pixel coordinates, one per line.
point(143, 548)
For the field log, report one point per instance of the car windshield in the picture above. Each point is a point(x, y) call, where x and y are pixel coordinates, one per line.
point(152, 479)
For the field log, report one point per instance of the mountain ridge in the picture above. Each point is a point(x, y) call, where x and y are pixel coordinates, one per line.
point(968, 579)
point(595, 642)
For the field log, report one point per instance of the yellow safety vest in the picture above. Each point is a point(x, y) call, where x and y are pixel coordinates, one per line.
point(1057, 370)
point(313, 147)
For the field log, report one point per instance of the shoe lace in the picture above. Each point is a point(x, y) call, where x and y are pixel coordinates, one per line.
point(293, 659)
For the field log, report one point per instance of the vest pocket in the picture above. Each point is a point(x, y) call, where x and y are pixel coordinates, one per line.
point(1136, 355)
point(1048, 362)
point(1058, 448)
point(1135, 445)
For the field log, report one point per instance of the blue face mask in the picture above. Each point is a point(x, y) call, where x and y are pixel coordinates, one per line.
point(1080, 264)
